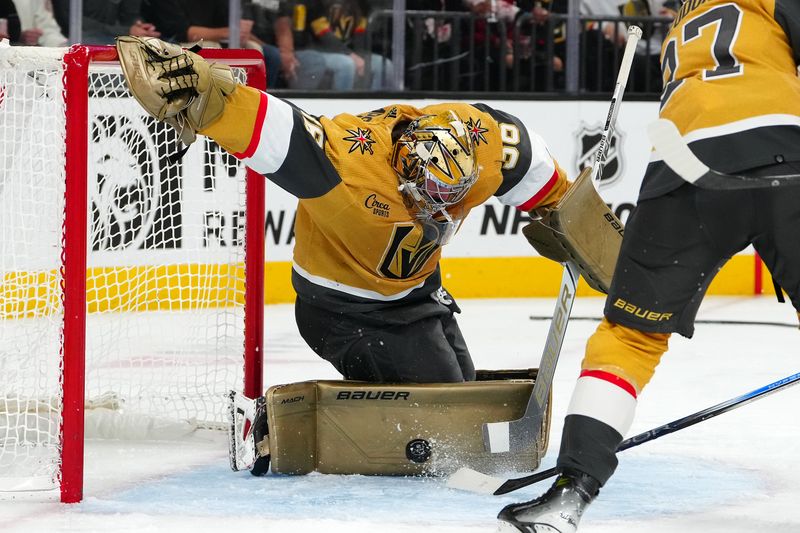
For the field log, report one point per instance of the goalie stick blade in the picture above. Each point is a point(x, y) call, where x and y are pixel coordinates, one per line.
point(671, 146)
point(473, 481)
point(470, 480)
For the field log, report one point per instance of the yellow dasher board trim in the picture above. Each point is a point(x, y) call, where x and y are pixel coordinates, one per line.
point(193, 286)
point(123, 289)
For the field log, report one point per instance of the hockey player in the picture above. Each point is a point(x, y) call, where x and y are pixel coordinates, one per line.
point(379, 195)
point(731, 88)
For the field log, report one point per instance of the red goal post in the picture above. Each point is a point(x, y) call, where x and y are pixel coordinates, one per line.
point(150, 302)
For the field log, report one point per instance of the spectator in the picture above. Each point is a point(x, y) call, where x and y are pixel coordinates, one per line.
point(103, 21)
point(493, 11)
point(264, 14)
point(300, 69)
point(337, 29)
point(169, 17)
point(305, 68)
point(646, 74)
point(38, 26)
point(8, 12)
point(61, 14)
point(208, 22)
point(433, 49)
point(537, 37)
point(526, 52)
point(601, 44)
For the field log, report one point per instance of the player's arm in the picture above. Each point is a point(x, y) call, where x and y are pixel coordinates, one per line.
point(570, 220)
point(275, 139)
point(532, 178)
point(180, 88)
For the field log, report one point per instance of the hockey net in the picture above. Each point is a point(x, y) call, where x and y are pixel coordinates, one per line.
point(103, 230)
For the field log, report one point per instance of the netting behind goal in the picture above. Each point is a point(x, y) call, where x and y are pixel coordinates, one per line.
point(167, 319)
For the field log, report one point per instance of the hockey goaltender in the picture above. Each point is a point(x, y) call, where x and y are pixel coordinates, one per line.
point(379, 194)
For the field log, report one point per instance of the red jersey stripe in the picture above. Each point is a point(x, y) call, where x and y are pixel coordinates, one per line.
point(261, 115)
point(527, 206)
point(611, 378)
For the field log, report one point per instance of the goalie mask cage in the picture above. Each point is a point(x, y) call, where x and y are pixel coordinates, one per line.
point(131, 283)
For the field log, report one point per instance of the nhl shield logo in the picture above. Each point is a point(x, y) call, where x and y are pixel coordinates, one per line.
point(588, 142)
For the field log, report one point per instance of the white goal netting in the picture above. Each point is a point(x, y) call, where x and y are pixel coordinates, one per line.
point(165, 264)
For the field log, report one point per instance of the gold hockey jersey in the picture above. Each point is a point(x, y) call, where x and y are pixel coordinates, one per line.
point(731, 85)
point(357, 245)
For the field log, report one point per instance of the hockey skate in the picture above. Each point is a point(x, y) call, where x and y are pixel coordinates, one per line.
point(248, 436)
point(557, 511)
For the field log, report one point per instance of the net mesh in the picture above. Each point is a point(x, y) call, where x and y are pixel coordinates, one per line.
point(165, 264)
point(32, 187)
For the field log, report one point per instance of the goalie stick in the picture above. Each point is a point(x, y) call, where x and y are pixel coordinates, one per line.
point(473, 481)
point(521, 434)
point(634, 34)
point(671, 146)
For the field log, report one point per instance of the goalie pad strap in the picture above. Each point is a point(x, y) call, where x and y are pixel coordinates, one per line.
point(582, 229)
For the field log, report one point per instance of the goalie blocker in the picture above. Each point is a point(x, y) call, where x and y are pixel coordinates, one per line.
point(580, 229)
point(349, 427)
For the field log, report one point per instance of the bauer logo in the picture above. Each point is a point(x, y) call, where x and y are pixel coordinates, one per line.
point(372, 395)
point(588, 142)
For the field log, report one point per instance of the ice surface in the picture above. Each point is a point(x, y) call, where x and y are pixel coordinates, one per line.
point(735, 473)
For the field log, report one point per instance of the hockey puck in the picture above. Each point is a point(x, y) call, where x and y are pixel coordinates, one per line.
point(418, 450)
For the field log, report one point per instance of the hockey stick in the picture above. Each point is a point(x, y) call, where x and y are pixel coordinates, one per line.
point(634, 34)
point(671, 146)
point(521, 434)
point(467, 479)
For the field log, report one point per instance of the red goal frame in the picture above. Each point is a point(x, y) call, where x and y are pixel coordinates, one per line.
point(77, 62)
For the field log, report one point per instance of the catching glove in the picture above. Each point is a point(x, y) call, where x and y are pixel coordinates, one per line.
point(174, 85)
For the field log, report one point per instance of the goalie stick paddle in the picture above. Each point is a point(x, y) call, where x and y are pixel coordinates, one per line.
point(477, 482)
point(520, 434)
point(671, 146)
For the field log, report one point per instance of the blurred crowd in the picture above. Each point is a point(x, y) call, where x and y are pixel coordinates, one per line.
point(346, 44)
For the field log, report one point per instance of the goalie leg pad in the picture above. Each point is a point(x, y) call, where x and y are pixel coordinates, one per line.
point(347, 427)
point(581, 229)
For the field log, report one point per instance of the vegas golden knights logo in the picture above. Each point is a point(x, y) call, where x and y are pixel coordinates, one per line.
point(341, 20)
point(407, 253)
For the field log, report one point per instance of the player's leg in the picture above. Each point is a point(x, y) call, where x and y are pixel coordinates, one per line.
point(459, 346)
point(310, 70)
point(672, 248)
point(776, 241)
point(410, 344)
point(342, 70)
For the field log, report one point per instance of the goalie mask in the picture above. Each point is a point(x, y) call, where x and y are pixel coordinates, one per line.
point(434, 160)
